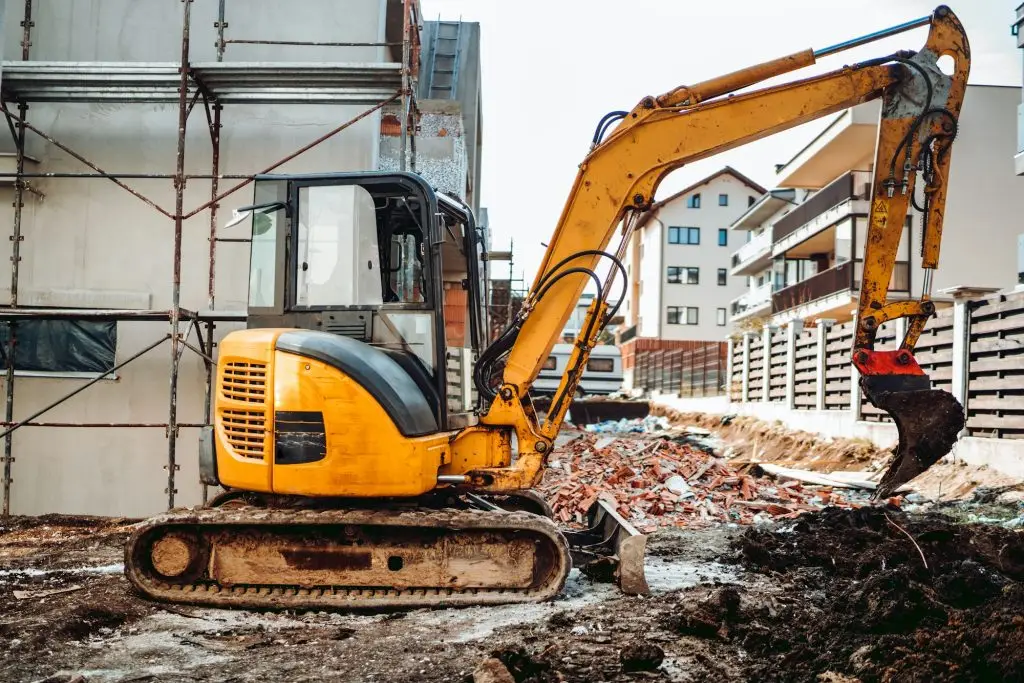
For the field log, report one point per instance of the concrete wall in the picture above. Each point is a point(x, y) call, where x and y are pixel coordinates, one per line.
point(708, 295)
point(651, 276)
point(89, 243)
point(1002, 455)
point(985, 199)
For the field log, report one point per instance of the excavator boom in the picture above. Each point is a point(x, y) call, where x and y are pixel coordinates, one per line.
point(617, 181)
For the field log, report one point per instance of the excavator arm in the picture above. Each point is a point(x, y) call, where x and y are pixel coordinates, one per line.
point(617, 181)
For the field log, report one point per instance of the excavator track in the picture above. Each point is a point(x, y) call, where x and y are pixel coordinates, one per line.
point(243, 556)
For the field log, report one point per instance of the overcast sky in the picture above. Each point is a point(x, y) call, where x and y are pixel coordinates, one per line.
point(552, 68)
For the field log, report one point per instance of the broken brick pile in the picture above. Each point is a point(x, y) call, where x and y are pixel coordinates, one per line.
point(658, 481)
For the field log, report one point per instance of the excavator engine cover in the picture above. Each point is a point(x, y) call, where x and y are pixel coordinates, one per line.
point(928, 421)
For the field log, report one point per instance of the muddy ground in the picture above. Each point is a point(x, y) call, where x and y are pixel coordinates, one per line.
point(876, 594)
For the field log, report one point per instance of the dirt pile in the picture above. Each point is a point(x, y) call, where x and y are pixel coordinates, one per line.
point(882, 597)
point(751, 439)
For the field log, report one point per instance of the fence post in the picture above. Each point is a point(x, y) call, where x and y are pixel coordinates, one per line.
point(745, 386)
point(793, 330)
point(961, 352)
point(823, 325)
point(900, 328)
point(854, 380)
point(730, 347)
point(766, 362)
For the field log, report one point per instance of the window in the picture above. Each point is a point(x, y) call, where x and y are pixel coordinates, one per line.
point(722, 274)
point(337, 250)
point(677, 235)
point(723, 237)
point(550, 363)
point(723, 200)
point(600, 365)
point(678, 275)
point(61, 346)
point(720, 317)
point(682, 315)
point(693, 201)
point(750, 201)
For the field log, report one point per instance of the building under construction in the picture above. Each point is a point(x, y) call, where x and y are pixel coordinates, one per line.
point(135, 127)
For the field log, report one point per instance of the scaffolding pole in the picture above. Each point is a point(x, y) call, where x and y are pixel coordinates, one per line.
point(18, 125)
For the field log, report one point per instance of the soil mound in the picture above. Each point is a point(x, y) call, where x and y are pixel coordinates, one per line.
point(890, 599)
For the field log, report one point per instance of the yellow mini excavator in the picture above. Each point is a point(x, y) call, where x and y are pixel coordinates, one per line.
point(375, 452)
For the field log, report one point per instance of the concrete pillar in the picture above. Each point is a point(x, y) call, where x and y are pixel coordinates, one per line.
point(467, 380)
point(766, 362)
point(961, 351)
point(793, 330)
point(854, 381)
point(823, 326)
point(745, 387)
point(900, 329)
point(730, 347)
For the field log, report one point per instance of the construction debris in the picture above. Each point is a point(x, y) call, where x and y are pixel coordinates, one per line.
point(647, 425)
point(666, 479)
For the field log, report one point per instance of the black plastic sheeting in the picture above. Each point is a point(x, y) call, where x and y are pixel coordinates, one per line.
point(61, 345)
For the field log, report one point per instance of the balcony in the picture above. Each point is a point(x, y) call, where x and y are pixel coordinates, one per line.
point(843, 197)
point(754, 256)
point(755, 301)
point(837, 280)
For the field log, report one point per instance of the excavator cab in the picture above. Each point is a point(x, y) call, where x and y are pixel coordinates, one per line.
point(378, 258)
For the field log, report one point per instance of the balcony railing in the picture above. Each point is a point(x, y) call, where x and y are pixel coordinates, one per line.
point(815, 287)
point(630, 333)
point(832, 281)
point(755, 298)
point(761, 243)
point(836, 192)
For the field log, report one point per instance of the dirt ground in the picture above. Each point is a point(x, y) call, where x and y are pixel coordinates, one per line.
point(875, 594)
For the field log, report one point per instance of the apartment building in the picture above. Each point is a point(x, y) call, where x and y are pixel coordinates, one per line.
point(802, 257)
point(102, 80)
point(678, 265)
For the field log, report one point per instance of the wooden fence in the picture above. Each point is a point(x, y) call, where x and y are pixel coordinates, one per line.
point(837, 367)
point(697, 371)
point(805, 380)
point(974, 350)
point(995, 384)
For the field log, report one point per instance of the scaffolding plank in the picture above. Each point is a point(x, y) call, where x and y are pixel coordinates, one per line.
point(227, 82)
point(108, 314)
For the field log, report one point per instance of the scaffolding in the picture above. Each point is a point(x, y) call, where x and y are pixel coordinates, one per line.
point(188, 85)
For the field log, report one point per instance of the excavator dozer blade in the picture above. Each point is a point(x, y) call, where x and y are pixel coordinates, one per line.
point(928, 422)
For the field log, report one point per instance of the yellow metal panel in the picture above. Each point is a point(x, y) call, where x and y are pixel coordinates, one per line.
point(366, 454)
point(480, 447)
point(243, 409)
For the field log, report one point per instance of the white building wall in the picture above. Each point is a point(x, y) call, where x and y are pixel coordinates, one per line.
point(985, 199)
point(649, 290)
point(89, 243)
point(708, 256)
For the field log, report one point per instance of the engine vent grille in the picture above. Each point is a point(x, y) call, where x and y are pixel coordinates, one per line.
point(246, 431)
point(244, 381)
point(354, 330)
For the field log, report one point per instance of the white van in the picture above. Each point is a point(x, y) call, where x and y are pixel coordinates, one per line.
point(602, 376)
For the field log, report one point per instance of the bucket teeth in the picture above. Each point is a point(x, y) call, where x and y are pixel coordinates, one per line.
point(928, 422)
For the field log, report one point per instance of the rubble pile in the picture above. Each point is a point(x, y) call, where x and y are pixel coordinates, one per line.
point(670, 478)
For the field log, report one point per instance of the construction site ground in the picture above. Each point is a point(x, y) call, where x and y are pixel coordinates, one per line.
point(923, 588)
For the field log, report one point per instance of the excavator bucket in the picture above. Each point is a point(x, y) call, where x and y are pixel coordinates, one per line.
point(928, 422)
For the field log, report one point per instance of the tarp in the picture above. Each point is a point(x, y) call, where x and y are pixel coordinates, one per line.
point(61, 345)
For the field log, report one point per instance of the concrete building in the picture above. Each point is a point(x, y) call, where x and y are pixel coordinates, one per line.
point(678, 265)
point(84, 243)
point(807, 236)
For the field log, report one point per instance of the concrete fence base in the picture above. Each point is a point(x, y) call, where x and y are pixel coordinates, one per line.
point(1002, 455)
